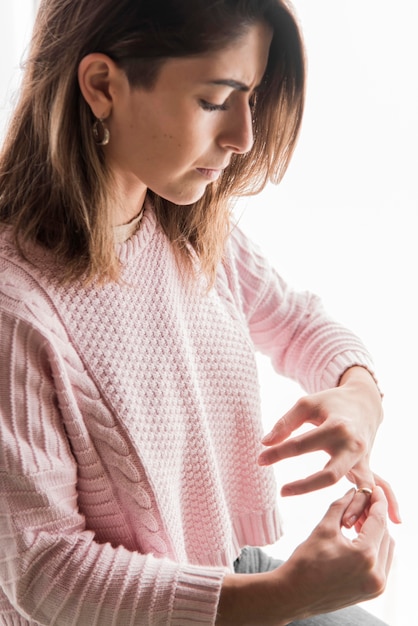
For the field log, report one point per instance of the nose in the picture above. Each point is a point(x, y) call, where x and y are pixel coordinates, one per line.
point(237, 133)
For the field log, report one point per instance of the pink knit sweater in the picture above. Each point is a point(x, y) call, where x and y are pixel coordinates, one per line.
point(130, 430)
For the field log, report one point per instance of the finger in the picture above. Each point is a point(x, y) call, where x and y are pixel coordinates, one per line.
point(358, 505)
point(314, 482)
point(359, 523)
point(386, 553)
point(374, 528)
point(394, 513)
point(363, 478)
point(302, 444)
point(331, 473)
point(378, 567)
point(390, 555)
point(318, 438)
point(303, 411)
point(331, 522)
point(384, 561)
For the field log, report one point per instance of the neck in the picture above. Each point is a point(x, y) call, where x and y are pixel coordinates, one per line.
point(131, 193)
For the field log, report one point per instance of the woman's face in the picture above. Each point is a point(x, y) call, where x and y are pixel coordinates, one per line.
point(178, 137)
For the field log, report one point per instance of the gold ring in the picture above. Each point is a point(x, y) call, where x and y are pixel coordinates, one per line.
point(365, 490)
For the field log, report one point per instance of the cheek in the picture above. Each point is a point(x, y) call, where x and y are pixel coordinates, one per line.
point(173, 151)
point(150, 135)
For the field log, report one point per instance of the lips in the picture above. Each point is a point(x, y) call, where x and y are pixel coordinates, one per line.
point(211, 174)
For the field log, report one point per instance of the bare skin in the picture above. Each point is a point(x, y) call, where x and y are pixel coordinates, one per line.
point(347, 418)
point(178, 137)
point(196, 117)
point(328, 571)
point(325, 573)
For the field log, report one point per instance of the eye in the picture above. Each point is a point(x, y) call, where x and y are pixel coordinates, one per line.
point(253, 100)
point(210, 106)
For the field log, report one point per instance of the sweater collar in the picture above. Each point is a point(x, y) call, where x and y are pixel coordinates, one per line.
point(139, 233)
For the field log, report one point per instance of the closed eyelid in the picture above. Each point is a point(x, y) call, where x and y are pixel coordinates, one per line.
point(211, 106)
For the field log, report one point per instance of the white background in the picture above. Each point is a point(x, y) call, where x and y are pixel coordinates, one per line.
point(342, 224)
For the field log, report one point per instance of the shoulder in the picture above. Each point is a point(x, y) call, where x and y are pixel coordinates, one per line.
point(244, 257)
point(23, 288)
point(245, 273)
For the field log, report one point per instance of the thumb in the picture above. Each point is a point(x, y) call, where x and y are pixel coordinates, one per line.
point(332, 519)
point(374, 527)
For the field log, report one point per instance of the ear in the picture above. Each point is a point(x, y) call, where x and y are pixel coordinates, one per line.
point(98, 76)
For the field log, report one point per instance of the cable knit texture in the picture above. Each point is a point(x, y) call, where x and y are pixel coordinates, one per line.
point(130, 429)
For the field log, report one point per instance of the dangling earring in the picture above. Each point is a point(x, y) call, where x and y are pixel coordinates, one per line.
point(101, 132)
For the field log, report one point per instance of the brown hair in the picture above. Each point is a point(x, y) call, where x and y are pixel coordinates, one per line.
point(55, 188)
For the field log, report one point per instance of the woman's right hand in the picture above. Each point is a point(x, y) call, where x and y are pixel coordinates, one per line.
point(325, 573)
point(330, 571)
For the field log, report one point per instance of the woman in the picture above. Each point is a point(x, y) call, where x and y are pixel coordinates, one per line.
point(134, 486)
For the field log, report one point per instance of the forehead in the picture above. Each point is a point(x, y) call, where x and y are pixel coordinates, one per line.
point(242, 62)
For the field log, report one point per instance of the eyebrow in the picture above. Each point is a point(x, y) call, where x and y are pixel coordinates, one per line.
point(229, 82)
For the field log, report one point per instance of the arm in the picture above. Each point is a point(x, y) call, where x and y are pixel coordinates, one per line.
point(325, 573)
point(327, 360)
point(52, 568)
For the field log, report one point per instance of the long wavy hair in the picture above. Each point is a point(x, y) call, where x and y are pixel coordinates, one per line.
point(55, 187)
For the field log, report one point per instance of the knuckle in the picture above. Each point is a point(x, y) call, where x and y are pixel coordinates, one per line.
point(368, 560)
point(297, 446)
point(269, 457)
point(342, 429)
point(309, 405)
point(330, 476)
point(359, 445)
point(343, 432)
point(324, 532)
point(371, 573)
point(303, 401)
point(376, 584)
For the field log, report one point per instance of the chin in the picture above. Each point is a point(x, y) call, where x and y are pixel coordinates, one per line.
point(184, 199)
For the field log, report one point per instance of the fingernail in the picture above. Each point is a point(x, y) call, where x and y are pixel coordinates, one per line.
point(351, 521)
point(267, 438)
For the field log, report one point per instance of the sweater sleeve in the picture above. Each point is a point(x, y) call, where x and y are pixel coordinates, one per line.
point(52, 570)
point(291, 327)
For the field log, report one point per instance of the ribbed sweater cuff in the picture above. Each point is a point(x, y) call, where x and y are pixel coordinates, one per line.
point(197, 595)
point(258, 529)
point(341, 363)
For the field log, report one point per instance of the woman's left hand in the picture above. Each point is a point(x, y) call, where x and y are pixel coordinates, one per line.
point(347, 418)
